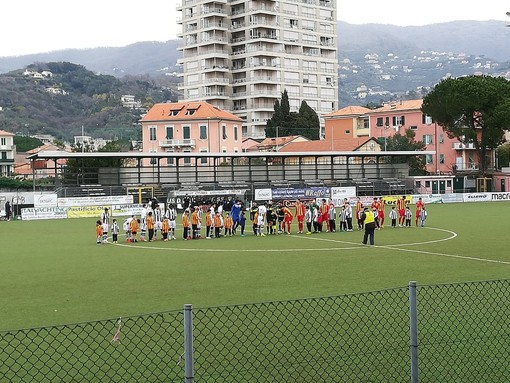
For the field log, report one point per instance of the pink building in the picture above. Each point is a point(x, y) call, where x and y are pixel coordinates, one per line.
point(397, 117)
point(190, 127)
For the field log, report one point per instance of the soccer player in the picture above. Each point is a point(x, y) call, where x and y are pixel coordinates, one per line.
point(228, 223)
point(235, 212)
point(261, 218)
point(165, 228)
point(185, 225)
point(380, 212)
point(209, 217)
point(308, 219)
point(217, 225)
point(332, 217)
point(195, 220)
point(115, 231)
point(359, 211)
point(393, 216)
point(323, 215)
point(150, 225)
point(348, 215)
point(287, 219)
point(171, 214)
point(300, 215)
point(408, 216)
point(401, 210)
point(99, 232)
point(419, 207)
point(158, 220)
point(423, 216)
point(134, 225)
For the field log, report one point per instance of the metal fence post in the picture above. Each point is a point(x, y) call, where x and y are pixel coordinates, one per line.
point(188, 343)
point(413, 333)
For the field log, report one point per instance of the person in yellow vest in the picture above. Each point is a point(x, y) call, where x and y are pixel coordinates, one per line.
point(369, 222)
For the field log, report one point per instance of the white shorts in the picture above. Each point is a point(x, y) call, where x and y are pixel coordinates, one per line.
point(171, 224)
point(260, 221)
point(157, 225)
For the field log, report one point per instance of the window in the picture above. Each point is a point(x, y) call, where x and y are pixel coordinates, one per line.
point(441, 138)
point(428, 159)
point(170, 160)
point(152, 133)
point(190, 112)
point(169, 132)
point(187, 160)
point(413, 127)
point(186, 132)
point(426, 119)
point(387, 122)
point(441, 158)
point(203, 132)
point(427, 139)
point(4, 141)
point(4, 155)
point(427, 184)
point(418, 184)
point(235, 133)
point(203, 160)
point(379, 122)
point(449, 183)
point(399, 121)
point(224, 132)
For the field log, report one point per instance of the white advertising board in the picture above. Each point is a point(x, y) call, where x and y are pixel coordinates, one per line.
point(45, 200)
point(33, 213)
point(263, 195)
point(126, 210)
point(95, 201)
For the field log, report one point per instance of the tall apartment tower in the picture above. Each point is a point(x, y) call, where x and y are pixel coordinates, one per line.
point(240, 55)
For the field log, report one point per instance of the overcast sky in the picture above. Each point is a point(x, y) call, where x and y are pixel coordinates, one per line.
point(31, 26)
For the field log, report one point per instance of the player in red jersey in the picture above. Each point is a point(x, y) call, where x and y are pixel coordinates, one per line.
point(380, 212)
point(401, 207)
point(300, 215)
point(419, 207)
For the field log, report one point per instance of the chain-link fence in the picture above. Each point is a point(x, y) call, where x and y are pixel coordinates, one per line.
point(462, 335)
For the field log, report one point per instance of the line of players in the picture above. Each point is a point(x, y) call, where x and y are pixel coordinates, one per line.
point(267, 219)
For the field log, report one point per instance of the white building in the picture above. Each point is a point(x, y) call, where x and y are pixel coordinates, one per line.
point(240, 55)
point(7, 153)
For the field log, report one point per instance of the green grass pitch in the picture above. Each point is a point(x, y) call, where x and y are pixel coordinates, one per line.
point(52, 272)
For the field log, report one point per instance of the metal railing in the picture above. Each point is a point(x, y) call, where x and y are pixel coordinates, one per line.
point(455, 332)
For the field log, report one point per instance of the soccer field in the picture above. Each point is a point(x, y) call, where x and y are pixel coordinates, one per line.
point(54, 273)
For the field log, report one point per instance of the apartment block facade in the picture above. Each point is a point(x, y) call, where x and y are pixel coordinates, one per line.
point(7, 153)
point(240, 55)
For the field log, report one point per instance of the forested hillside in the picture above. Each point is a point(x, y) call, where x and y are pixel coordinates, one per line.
point(73, 97)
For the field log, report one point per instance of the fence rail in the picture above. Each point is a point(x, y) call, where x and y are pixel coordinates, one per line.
point(447, 333)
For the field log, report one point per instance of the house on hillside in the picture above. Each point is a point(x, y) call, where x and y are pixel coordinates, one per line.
point(190, 127)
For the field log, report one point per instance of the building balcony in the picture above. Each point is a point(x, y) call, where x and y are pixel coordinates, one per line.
point(182, 143)
point(462, 146)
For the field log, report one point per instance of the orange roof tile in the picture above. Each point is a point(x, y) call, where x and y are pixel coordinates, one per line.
point(400, 106)
point(4, 133)
point(348, 111)
point(185, 111)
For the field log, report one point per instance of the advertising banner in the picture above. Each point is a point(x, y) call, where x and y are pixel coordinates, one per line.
point(98, 200)
point(501, 196)
point(85, 211)
point(126, 210)
point(301, 193)
point(392, 199)
point(263, 195)
point(45, 200)
point(338, 195)
point(195, 193)
point(476, 197)
point(33, 213)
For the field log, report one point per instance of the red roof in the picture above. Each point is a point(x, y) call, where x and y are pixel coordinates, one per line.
point(4, 133)
point(348, 111)
point(185, 111)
